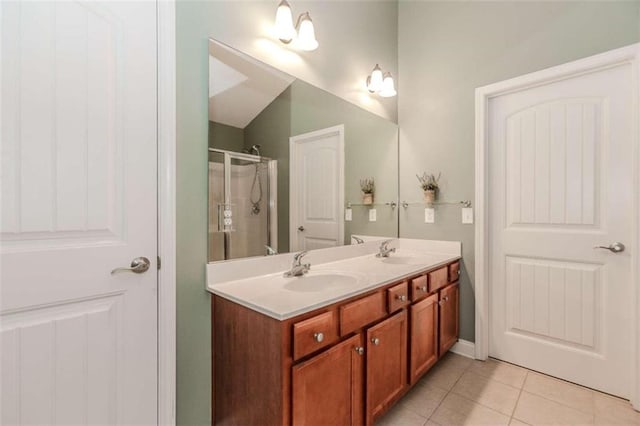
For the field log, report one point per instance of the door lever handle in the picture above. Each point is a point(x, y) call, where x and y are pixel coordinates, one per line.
point(613, 248)
point(138, 266)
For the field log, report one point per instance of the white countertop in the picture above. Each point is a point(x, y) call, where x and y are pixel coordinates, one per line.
point(329, 280)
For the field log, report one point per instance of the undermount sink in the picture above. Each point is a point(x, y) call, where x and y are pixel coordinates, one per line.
point(321, 281)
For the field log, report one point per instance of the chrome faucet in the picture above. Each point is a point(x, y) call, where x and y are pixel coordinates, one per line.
point(270, 250)
point(385, 251)
point(358, 240)
point(298, 269)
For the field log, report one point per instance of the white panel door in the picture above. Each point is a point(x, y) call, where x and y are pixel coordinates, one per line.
point(560, 183)
point(317, 189)
point(78, 188)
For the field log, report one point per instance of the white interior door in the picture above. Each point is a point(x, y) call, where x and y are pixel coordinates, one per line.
point(78, 144)
point(316, 189)
point(560, 183)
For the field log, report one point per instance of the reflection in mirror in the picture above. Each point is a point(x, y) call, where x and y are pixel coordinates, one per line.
point(286, 160)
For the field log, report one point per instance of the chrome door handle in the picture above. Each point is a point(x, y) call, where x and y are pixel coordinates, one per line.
point(300, 228)
point(138, 266)
point(613, 248)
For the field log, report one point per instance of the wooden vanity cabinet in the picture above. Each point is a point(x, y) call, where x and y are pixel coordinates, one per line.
point(344, 364)
point(423, 336)
point(449, 317)
point(386, 364)
point(328, 388)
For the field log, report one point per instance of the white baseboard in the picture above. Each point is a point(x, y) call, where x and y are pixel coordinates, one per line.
point(464, 348)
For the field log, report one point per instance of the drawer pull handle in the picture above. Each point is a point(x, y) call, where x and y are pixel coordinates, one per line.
point(319, 337)
point(375, 341)
point(359, 350)
point(401, 297)
point(423, 288)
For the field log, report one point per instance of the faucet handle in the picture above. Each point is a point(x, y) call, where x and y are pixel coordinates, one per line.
point(298, 256)
point(385, 243)
point(358, 240)
point(270, 250)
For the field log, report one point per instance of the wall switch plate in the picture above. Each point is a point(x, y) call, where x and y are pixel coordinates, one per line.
point(348, 215)
point(372, 215)
point(467, 215)
point(429, 215)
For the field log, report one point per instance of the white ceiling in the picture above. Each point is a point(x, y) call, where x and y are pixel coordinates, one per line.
point(240, 87)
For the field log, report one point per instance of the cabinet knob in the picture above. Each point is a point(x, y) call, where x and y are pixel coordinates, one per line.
point(423, 288)
point(458, 271)
point(375, 341)
point(319, 337)
point(401, 297)
point(359, 350)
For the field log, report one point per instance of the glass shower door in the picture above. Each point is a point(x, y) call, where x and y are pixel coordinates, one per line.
point(249, 187)
point(216, 238)
point(239, 206)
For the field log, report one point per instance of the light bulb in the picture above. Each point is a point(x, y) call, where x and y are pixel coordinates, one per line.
point(374, 81)
point(388, 90)
point(306, 34)
point(284, 23)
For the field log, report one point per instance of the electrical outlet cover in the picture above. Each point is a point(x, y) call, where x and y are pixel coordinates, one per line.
point(372, 215)
point(467, 215)
point(348, 215)
point(429, 215)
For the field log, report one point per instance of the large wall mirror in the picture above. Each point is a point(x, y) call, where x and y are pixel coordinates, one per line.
point(287, 161)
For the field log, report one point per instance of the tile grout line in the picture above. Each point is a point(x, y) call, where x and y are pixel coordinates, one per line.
point(487, 406)
point(518, 400)
point(447, 394)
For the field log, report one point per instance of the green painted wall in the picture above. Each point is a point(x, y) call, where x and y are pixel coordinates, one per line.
point(193, 320)
point(446, 50)
point(225, 137)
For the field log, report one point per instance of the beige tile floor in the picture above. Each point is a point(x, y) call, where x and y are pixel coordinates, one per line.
point(460, 391)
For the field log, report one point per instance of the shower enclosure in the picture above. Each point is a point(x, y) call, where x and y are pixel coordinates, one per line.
point(242, 204)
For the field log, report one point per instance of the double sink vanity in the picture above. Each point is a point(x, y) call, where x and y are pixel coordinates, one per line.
point(339, 343)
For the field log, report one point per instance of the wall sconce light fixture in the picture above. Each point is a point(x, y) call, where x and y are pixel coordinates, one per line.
point(381, 83)
point(303, 33)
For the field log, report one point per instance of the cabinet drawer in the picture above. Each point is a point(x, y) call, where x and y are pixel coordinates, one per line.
point(438, 278)
point(397, 297)
point(454, 272)
point(419, 287)
point(314, 333)
point(361, 312)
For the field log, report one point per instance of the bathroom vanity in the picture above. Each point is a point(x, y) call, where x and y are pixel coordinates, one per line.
point(337, 346)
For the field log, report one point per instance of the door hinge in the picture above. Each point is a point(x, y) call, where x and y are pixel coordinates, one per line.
point(159, 263)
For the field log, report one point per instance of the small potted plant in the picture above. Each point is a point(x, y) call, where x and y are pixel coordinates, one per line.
point(429, 185)
point(367, 186)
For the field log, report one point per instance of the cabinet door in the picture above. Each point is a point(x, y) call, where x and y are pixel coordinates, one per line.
point(424, 336)
point(386, 363)
point(327, 389)
point(448, 317)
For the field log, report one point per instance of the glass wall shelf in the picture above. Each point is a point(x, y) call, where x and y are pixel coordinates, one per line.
point(406, 204)
point(392, 204)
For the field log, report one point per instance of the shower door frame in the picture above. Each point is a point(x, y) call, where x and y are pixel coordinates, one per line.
point(272, 172)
